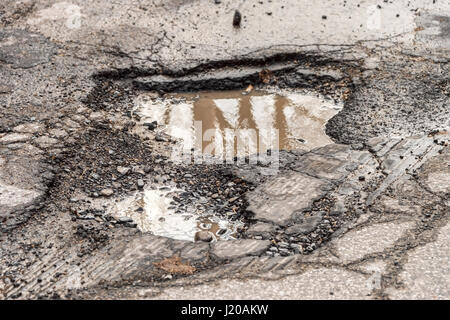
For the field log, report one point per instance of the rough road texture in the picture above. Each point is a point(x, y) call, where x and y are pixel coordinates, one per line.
point(366, 217)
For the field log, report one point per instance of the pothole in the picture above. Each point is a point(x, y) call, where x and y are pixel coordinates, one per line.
point(202, 121)
point(239, 123)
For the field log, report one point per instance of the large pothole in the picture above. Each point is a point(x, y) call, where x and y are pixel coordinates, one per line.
point(214, 146)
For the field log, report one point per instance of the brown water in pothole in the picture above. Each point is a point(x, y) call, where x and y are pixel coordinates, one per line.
point(282, 120)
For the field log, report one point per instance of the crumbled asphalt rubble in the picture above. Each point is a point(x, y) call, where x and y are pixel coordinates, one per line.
point(104, 163)
point(127, 164)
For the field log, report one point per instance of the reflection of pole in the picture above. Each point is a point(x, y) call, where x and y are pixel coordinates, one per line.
point(263, 113)
point(198, 142)
point(246, 144)
point(269, 155)
point(180, 127)
point(230, 110)
point(230, 136)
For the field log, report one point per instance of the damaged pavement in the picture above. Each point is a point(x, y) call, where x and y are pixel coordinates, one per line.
point(365, 217)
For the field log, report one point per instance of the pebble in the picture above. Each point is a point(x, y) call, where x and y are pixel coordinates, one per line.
point(107, 192)
point(151, 125)
point(123, 170)
point(283, 245)
point(124, 219)
point(160, 138)
point(95, 176)
point(140, 183)
point(131, 224)
point(204, 236)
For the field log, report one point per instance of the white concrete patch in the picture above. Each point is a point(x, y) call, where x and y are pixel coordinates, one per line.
point(68, 12)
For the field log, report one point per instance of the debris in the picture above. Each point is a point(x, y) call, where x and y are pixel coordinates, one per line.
point(174, 265)
point(107, 192)
point(151, 125)
point(265, 76)
point(237, 19)
point(248, 90)
point(123, 170)
point(204, 236)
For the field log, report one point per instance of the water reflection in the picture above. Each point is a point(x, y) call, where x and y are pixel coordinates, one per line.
point(260, 119)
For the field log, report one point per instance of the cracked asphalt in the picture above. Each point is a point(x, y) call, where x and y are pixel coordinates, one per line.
point(365, 217)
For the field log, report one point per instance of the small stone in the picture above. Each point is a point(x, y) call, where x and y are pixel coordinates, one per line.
point(204, 236)
point(151, 125)
point(124, 219)
point(283, 245)
point(131, 224)
point(123, 170)
point(148, 169)
point(107, 192)
point(95, 176)
point(14, 138)
point(160, 138)
point(7, 89)
point(140, 183)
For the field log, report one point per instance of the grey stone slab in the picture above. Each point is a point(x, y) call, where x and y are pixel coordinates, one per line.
point(279, 199)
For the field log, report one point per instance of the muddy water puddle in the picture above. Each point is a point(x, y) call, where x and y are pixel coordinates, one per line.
point(153, 211)
point(238, 123)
